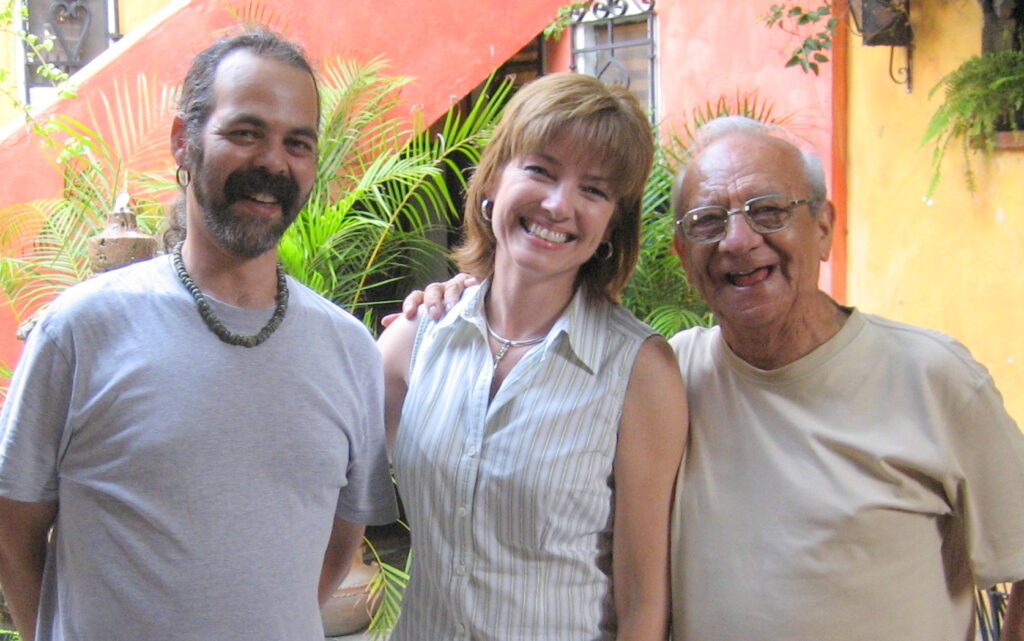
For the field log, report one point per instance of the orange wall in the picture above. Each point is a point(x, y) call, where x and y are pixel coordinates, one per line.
point(449, 49)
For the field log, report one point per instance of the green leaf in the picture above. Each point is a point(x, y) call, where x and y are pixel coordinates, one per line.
point(381, 190)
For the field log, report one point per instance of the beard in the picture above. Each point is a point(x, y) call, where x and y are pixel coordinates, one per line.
point(242, 235)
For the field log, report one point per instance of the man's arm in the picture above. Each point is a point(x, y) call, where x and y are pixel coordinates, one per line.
point(341, 547)
point(24, 528)
point(1013, 624)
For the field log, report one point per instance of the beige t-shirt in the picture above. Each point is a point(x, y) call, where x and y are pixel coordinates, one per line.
point(856, 494)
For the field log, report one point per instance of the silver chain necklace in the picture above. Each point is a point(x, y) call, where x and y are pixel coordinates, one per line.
point(506, 343)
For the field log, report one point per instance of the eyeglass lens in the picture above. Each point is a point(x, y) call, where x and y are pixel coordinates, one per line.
point(764, 214)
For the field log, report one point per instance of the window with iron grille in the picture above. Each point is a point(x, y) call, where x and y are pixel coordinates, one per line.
point(80, 31)
point(1003, 29)
point(614, 41)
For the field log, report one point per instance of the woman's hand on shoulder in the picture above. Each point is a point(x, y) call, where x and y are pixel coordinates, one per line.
point(437, 297)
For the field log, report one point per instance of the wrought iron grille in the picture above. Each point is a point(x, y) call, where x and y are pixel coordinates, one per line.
point(614, 40)
point(79, 29)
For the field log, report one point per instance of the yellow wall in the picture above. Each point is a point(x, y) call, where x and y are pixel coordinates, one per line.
point(955, 264)
point(130, 14)
point(133, 12)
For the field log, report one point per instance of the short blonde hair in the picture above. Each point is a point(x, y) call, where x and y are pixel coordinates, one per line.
point(605, 120)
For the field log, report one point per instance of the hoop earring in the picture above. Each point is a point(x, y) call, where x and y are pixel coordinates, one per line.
point(486, 209)
point(183, 177)
point(608, 254)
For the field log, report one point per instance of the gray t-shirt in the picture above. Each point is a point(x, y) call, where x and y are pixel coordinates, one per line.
point(196, 481)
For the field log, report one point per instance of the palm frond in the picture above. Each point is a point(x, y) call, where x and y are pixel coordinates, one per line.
point(44, 243)
point(382, 188)
point(257, 13)
point(387, 588)
point(5, 376)
point(750, 105)
point(136, 127)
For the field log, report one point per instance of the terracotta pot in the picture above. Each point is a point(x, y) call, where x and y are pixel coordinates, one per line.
point(350, 609)
point(121, 242)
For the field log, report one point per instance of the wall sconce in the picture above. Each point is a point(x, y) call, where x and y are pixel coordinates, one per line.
point(887, 23)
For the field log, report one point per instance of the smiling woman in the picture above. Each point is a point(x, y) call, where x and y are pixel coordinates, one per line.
point(523, 415)
point(552, 210)
point(557, 112)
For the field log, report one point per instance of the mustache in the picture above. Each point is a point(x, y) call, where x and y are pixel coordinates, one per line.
point(243, 183)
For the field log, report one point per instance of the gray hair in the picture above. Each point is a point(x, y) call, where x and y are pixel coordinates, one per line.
point(724, 126)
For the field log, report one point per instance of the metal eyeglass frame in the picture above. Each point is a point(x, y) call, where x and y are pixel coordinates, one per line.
point(745, 210)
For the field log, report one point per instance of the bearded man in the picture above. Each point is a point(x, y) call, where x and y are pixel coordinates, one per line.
point(202, 433)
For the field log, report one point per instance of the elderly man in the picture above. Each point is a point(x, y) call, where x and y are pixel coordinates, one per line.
point(848, 477)
point(203, 433)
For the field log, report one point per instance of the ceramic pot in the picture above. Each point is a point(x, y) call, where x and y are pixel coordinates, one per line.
point(121, 242)
point(349, 609)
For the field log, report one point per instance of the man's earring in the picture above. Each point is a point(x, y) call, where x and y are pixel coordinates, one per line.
point(183, 177)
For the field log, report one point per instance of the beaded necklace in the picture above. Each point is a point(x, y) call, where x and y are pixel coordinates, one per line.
point(211, 320)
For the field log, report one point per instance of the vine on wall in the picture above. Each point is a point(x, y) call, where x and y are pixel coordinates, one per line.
point(12, 21)
point(793, 19)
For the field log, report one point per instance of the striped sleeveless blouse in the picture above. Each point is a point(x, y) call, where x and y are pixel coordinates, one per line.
point(511, 502)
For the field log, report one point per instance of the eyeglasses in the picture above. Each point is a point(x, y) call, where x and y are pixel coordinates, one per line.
point(764, 214)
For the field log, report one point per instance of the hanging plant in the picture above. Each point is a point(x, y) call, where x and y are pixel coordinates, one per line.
point(983, 96)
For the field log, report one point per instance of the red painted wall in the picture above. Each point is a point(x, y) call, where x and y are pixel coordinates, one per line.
point(448, 46)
